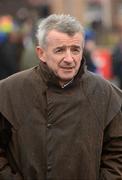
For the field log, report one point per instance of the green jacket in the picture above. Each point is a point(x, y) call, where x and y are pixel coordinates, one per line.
point(53, 133)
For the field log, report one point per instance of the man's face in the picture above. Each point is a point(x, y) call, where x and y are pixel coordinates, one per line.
point(63, 54)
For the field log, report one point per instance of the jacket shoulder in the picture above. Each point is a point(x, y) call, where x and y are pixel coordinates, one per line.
point(17, 78)
point(15, 90)
point(105, 98)
point(96, 83)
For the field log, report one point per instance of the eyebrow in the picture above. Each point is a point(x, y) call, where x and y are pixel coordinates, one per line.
point(72, 46)
point(76, 46)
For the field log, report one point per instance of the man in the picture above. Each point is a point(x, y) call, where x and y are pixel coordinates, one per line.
point(59, 121)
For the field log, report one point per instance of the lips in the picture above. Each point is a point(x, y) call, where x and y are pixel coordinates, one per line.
point(67, 67)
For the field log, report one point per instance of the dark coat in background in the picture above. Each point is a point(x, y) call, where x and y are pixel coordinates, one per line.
point(58, 133)
point(117, 62)
point(89, 61)
point(10, 55)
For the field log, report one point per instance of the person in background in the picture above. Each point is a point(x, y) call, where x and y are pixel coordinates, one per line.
point(89, 49)
point(58, 120)
point(88, 55)
point(10, 54)
point(117, 61)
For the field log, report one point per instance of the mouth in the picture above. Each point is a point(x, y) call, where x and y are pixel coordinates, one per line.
point(67, 67)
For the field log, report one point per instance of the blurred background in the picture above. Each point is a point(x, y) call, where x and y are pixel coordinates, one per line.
point(102, 20)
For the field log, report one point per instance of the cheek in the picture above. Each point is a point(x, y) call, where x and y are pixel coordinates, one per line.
point(52, 63)
point(78, 62)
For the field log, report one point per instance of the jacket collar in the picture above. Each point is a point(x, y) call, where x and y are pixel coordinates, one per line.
point(50, 79)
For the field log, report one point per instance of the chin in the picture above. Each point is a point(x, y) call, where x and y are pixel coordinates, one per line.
point(67, 75)
point(66, 79)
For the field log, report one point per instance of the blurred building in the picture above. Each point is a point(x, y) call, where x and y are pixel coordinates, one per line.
point(107, 11)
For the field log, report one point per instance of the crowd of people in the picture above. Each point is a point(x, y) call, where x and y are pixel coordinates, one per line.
point(16, 38)
point(10, 54)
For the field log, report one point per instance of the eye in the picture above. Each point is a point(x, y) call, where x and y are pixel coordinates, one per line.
point(76, 50)
point(59, 50)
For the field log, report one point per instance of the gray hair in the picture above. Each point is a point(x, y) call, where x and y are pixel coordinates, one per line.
point(62, 23)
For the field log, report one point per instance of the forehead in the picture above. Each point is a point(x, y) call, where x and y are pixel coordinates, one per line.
point(60, 38)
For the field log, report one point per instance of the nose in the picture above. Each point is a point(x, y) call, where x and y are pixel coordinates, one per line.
point(68, 56)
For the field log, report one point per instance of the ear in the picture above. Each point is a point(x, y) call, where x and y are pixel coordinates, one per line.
point(40, 53)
